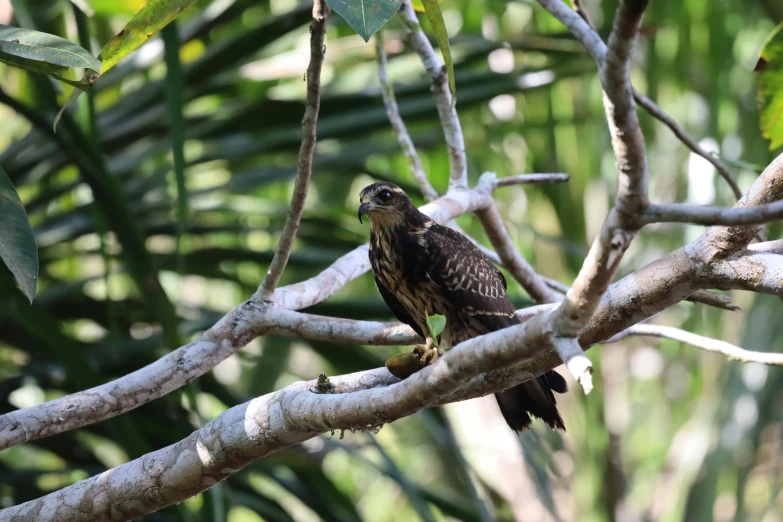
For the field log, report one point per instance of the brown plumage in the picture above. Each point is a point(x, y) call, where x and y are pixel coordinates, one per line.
point(422, 268)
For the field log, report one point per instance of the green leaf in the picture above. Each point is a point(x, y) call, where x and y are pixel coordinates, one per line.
point(175, 85)
point(154, 16)
point(436, 324)
point(435, 15)
point(769, 71)
point(17, 242)
point(365, 16)
point(418, 6)
point(42, 52)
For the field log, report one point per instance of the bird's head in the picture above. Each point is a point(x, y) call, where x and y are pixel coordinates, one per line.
point(385, 204)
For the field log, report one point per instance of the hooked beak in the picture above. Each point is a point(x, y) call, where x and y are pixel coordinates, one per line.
point(362, 210)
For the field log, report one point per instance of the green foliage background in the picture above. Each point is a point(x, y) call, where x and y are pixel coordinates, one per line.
point(669, 434)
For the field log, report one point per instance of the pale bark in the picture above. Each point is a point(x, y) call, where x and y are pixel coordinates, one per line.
point(444, 101)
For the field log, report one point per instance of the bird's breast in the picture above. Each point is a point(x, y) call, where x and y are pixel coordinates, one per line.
point(395, 264)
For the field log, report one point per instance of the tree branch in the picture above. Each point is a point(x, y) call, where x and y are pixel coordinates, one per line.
point(767, 188)
point(526, 179)
point(699, 341)
point(398, 126)
point(746, 270)
point(712, 299)
point(699, 215)
point(657, 113)
point(676, 276)
point(578, 22)
point(275, 421)
point(512, 259)
point(618, 229)
point(232, 332)
point(447, 111)
point(304, 168)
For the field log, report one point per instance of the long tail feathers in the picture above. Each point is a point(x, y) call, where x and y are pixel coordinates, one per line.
point(533, 398)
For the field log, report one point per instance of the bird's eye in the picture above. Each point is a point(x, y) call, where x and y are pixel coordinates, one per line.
point(384, 195)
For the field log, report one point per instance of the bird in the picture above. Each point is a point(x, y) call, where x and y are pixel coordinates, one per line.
point(422, 268)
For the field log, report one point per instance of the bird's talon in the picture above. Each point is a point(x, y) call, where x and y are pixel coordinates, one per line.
point(426, 354)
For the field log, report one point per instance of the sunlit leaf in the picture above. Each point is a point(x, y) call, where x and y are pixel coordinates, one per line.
point(154, 16)
point(769, 71)
point(365, 16)
point(114, 7)
point(42, 52)
point(418, 6)
point(435, 15)
point(17, 242)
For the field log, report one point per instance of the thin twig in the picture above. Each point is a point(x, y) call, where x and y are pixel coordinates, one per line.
point(657, 113)
point(582, 11)
point(400, 131)
point(704, 343)
point(698, 215)
point(447, 111)
point(557, 286)
point(584, 30)
point(512, 259)
point(707, 297)
point(528, 179)
point(304, 168)
point(495, 258)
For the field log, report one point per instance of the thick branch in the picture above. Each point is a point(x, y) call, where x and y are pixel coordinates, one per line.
point(676, 276)
point(629, 150)
point(767, 188)
point(250, 431)
point(447, 111)
point(747, 270)
point(296, 413)
point(627, 138)
point(304, 168)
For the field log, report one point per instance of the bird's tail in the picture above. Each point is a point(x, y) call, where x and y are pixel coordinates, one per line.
point(533, 398)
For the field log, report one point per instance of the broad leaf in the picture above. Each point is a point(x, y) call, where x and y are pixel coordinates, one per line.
point(17, 242)
point(435, 15)
point(769, 70)
point(42, 52)
point(146, 23)
point(154, 16)
point(436, 324)
point(365, 16)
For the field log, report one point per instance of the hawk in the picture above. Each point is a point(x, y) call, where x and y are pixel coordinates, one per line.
point(422, 268)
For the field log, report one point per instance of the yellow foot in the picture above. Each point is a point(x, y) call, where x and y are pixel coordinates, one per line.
point(427, 353)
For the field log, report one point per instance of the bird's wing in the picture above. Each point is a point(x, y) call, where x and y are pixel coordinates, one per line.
point(467, 278)
point(397, 308)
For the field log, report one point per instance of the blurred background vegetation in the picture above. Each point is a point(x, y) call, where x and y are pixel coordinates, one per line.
point(128, 273)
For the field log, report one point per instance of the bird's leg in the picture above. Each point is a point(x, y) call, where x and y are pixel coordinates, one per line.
point(427, 352)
